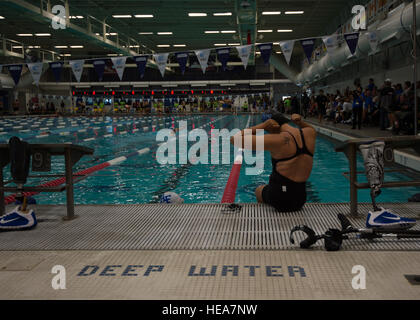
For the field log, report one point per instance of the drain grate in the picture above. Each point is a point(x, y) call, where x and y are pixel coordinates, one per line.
point(189, 227)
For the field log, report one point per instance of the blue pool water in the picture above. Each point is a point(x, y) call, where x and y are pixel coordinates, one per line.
point(142, 179)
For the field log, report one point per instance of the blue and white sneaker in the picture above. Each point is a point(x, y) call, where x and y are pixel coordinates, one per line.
point(18, 220)
point(386, 219)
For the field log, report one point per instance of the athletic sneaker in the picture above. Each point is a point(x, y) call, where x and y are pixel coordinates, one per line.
point(386, 219)
point(18, 220)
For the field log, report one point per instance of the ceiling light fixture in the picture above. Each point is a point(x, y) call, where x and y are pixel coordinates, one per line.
point(265, 31)
point(220, 14)
point(285, 30)
point(122, 16)
point(270, 13)
point(197, 14)
point(211, 31)
point(228, 31)
point(145, 33)
point(164, 33)
point(294, 12)
point(144, 16)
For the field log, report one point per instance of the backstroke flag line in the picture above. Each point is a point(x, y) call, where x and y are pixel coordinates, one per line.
point(265, 49)
point(330, 43)
point(244, 52)
point(308, 47)
point(36, 71)
point(119, 65)
point(99, 66)
point(141, 62)
point(287, 49)
point(15, 72)
point(203, 58)
point(56, 67)
point(352, 40)
point(77, 67)
point(161, 61)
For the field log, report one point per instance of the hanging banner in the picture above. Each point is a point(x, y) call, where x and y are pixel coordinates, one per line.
point(352, 39)
point(244, 52)
point(77, 67)
point(287, 49)
point(373, 40)
point(182, 58)
point(15, 72)
point(141, 62)
point(161, 61)
point(330, 43)
point(223, 55)
point(203, 58)
point(265, 50)
point(56, 68)
point(119, 65)
point(308, 46)
point(36, 71)
point(99, 66)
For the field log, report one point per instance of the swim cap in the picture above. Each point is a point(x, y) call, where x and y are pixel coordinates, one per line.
point(171, 197)
point(280, 119)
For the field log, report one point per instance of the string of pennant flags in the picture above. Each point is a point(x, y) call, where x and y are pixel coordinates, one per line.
point(161, 59)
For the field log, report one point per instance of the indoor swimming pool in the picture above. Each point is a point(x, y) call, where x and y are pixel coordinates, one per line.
point(141, 179)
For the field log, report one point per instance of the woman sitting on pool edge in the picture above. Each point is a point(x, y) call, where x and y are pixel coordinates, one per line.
point(292, 151)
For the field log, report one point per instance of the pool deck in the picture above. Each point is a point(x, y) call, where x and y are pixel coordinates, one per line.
point(158, 252)
point(190, 251)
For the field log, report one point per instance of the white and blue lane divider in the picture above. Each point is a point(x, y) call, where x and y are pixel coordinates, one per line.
point(158, 120)
point(12, 198)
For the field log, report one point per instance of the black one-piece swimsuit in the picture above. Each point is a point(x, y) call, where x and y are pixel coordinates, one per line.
point(282, 193)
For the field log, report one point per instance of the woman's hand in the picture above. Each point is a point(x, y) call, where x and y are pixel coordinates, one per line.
point(296, 118)
point(272, 126)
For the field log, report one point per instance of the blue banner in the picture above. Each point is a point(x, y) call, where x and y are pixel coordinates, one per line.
point(182, 58)
point(265, 49)
point(308, 46)
point(99, 67)
point(352, 40)
point(141, 62)
point(15, 72)
point(223, 55)
point(56, 67)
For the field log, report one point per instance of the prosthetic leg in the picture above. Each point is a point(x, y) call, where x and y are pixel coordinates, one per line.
point(21, 218)
point(373, 155)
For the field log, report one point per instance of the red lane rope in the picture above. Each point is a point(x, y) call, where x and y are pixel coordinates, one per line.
point(232, 184)
point(54, 183)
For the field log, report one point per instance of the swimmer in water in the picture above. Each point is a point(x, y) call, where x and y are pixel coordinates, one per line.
point(292, 151)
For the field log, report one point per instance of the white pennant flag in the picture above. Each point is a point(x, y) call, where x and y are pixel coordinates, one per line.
point(373, 40)
point(244, 52)
point(161, 61)
point(77, 67)
point(287, 49)
point(203, 58)
point(330, 43)
point(36, 71)
point(119, 65)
